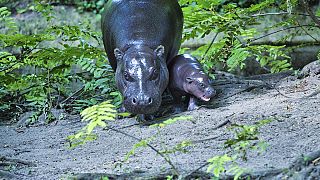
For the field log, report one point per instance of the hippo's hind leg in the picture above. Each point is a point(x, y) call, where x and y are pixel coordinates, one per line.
point(177, 103)
point(192, 103)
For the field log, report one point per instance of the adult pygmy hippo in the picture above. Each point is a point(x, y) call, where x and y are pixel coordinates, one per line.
point(188, 79)
point(139, 36)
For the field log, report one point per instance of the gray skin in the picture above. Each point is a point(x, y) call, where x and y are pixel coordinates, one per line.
point(140, 36)
point(187, 78)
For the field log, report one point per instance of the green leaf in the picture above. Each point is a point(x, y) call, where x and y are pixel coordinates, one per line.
point(171, 121)
point(142, 143)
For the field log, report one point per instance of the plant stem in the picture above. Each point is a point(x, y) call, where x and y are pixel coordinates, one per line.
point(212, 41)
point(150, 146)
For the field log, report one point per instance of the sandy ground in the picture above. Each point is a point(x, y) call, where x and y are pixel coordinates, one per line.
point(42, 152)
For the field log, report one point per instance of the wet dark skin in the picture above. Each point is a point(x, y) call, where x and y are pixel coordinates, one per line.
point(140, 36)
point(187, 78)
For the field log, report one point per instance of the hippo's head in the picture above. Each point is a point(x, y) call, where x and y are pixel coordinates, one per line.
point(198, 85)
point(141, 77)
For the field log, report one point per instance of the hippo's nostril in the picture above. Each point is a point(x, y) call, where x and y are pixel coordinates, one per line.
point(134, 101)
point(149, 100)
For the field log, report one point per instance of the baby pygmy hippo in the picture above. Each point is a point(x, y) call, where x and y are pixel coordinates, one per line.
point(187, 78)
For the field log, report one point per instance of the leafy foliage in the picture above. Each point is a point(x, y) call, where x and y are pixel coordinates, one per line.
point(96, 115)
point(245, 135)
point(166, 151)
point(95, 6)
point(180, 147)
point(37, 70)
point(141, 144)
point(237, 34)
point(246, 138)
point(40, 69)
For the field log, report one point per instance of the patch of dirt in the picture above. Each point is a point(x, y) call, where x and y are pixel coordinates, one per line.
point(295, 131)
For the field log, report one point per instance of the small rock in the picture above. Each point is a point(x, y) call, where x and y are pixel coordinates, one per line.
point(311, 69)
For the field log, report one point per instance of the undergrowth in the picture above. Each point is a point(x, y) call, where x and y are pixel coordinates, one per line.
point(235, 33)
point(64, 66)
point(52, 68)
point(246, 140)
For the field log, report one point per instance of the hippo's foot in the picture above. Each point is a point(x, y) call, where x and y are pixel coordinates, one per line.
point(192, 104)
point(122, 110)
point(177, 108)
point(311, 69)
point(192, 107)
point(145, 119)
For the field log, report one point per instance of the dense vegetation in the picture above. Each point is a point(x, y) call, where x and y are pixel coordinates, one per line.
point(39, 71)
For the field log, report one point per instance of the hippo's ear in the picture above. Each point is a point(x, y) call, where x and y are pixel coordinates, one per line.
point(118, 54)
point(189, 80)
point(159, 51)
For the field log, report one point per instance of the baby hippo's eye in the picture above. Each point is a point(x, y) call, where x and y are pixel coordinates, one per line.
point(202, 85)
point(154, 74)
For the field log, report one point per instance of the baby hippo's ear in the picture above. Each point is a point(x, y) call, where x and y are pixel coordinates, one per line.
point(118, 54)
point(189, 80)
point(159, 51)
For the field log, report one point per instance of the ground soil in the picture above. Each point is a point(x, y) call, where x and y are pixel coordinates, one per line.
point(41, 152)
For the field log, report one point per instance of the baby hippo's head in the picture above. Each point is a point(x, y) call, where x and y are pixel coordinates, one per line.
point(198, 85)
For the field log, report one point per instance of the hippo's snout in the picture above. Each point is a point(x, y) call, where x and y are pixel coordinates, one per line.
point(208, 94)
point(142, 103)
point(211, 92)
point(142, 100)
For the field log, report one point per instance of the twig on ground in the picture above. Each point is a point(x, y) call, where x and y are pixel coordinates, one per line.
point(298, 167)
point(15, 161)
point(197, 170)
point(312, 94)
point(215, 128)
point(223, 123)
point(203, 140)
point(260, 85)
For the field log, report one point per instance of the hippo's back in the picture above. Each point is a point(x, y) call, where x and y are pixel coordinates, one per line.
point(126, 23)
point(185, 64)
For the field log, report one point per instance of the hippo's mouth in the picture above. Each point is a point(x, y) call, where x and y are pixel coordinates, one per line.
point(204, 98)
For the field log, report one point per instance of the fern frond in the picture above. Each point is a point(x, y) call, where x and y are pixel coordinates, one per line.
point(96, 115)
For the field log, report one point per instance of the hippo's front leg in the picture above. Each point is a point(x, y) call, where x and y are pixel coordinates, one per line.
point(145, 119)
point(192, 103)
point(121, 109)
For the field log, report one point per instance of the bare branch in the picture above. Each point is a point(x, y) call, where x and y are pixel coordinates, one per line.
point(212, 41)
point(284, 29)
point(306, 5)
point(278, 13)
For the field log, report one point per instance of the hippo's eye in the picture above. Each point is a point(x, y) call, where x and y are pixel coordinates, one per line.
point(201, 85)
point(154, 74)
point(127, 76)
